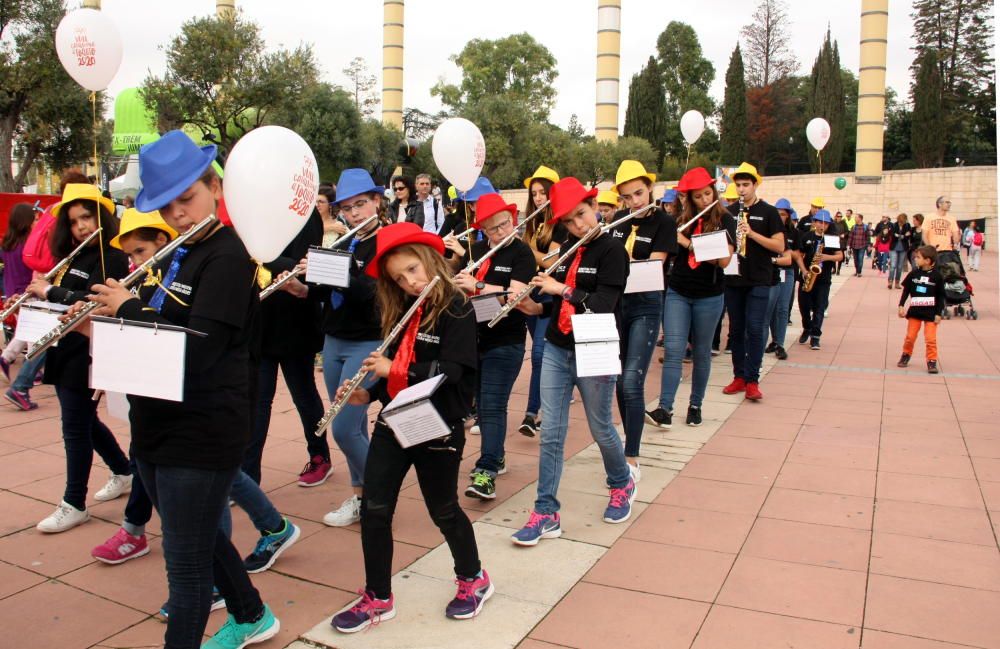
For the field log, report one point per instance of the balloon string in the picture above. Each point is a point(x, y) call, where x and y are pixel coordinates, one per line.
point(687, 162)
point(93, 106)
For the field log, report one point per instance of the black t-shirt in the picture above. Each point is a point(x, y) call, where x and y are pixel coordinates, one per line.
point(358, 316)
point(513, 262)
point(705, 280)
point(68, 363)
point(793, 241)
point(657, 233)
point(756, 269)
point(600, 280)
point(557, 234)
point(211, 427)
point(450, 349)
point(925, 288)
point(809, 244)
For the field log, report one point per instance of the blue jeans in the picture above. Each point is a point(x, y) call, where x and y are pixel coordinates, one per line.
point(197, 553)
point(341, 360)
point(859, 259)
point(747, 307)
point(498, 369)
point(681, 316)
point(897, 258)
point(641, 314)
point(781, 296)
point(252, 499)
point(882, 261)
point(26, 375)
point(558, 378)
point(536, 328)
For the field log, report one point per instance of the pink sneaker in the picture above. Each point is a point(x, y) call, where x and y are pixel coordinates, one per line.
point(120, 548)
point(315, 472)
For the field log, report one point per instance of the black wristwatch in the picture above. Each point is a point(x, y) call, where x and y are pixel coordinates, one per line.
point(479, 287)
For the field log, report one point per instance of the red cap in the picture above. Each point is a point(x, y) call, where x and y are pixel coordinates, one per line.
point(694, 179)
point(400, 234)
point(490, 205)
point(565, 195)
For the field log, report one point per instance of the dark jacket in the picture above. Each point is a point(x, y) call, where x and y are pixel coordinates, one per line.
point(900, 232)
point(414, 212)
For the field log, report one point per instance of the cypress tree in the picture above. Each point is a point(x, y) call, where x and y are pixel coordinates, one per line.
point(927, 134)
point(826, 99)
point(733, 126)
point(646, 115)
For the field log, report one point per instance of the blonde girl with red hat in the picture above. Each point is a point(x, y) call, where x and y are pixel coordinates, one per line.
point(440, 338)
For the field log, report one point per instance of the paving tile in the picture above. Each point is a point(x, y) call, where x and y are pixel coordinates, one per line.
point(581, 620)
point(763, 412)
point(818, 545)
point(953, 492)
point(991, 494)
point(833, 455)
point(881, 640)
point(713, 495)
point(983, 447)
point(145, 634)
point(821, 508)
point(536, 644)
point(687, 573)
point(20, 512)
point(140, 583)
point(55, 554)
point(934, 522)
point(834, 480)
point(727, 628)
point(799, 590)
point(839, 436)
point(745, 428)
point(14, 580)
point(693, 528)
point(28, 466)
point(929, 464)
point(756, 449)
point(987, 468)
point(901, 424)
point(933, 611)
point(943, 562)
point(298, 604)
point(732, 469)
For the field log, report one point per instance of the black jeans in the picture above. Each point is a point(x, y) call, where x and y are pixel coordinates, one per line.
point(812, 308)
point(197, 553)
point(299, 373)
point(436, 463)
point(83, 433)
point(139, 508)
point(747, 308)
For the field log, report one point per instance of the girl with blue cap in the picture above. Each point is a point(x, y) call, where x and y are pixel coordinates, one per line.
point(189, 453)
point(780, 302)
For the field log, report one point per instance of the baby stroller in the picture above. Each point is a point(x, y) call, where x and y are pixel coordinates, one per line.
point(957, 289)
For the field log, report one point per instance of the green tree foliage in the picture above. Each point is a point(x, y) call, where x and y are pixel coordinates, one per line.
point(646, 115)
point(687, 76)
point(899, 120)
point(221, 79)
point(516, 67)
point(928, 128)
point(44, 115)
point(825, 98)
point(734, 118)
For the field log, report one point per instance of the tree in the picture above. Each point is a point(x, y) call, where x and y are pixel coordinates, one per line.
point(646, 115)
point(363, 85)
point(44, 115)
point(380, 149)
point(734, 122)
point(772, 115)
point(420, 125)
point(825, 99)
point(899, 125)
point(927, 131)
point(221, 80)
point(687, 76)
point(767, 51)
point(516, 67)
point(575, 129)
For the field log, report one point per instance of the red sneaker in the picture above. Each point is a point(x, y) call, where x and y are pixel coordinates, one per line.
point(316, 472)
point(120, 548)
point(738, 385)
point(753, 392)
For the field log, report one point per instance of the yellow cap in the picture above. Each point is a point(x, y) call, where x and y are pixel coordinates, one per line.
point(731, 194)
point(133, 219)
point(608, 197)
point(749, 169)
point(542, 172)
point(78, 191)
point(630, 170)
point(817, 202)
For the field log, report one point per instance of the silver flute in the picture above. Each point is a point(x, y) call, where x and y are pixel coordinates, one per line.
point(697, 216)
point(127, 282)
point(297, 272)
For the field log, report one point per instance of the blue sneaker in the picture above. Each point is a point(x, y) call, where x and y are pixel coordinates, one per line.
point(538, 527)
point(218, 602)
point(270, 546)
point(234, 635)
point(620, 506)
point(365, 612)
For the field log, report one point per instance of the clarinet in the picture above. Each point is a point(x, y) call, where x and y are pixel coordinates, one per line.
point(741, 238)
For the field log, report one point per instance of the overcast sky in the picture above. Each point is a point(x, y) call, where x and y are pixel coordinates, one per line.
point(435, 29)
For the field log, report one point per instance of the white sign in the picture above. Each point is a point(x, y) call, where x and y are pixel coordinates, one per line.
point(486, 306)
point(710, 246)
point(597, 349)
point(831, 241)
point(114, 347)
point(35, 319)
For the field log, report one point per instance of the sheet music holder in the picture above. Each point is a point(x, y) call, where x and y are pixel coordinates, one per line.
point(645, 275)
point(831, 241)
point(412, 417)
point(329, 267)
point(487, 305)
point(710, 246)
point(35, 319)
point(597, 349)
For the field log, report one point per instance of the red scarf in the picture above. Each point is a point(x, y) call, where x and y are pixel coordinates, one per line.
point(566, 310)
point(400, 369)
point(691, 261)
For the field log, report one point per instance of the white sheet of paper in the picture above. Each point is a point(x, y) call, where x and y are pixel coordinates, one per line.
point(781, 274)
point(414, 393)
point(598, 359)
point(594, 327)
point(734, 266)
point(118, 405)
point(330, 267)
point(114, 348)
point(831, 241)
point(709, 246)
point(34, 320)
point(412, 417)
point(486, 306)
point(645, 276)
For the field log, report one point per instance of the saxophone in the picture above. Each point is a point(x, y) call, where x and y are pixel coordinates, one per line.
point(741, 238)
point(815, 268)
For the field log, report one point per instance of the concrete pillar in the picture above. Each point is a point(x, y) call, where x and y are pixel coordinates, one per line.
point(225, 8)
point(609, 38)
point(871, 89)
point(392, 63)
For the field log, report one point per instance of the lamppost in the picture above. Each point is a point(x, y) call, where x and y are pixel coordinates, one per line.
point(788, 157)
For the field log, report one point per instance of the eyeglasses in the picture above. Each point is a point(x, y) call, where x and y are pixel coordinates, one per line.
point(355, 207)
point(498, 227)
point(399, 189)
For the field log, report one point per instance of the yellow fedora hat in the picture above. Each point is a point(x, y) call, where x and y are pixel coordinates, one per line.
point(133, 220)
point(817, 202)
point(608, 197)
point(731, 194)
point(749, 169)
point(82, 191)
point(542, 172)
point(630, 170)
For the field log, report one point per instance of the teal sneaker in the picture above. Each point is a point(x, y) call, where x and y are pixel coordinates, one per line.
point(234, 635)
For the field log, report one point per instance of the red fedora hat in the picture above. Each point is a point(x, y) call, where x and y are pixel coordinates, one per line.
point(566, 195)
point(693, 179)
point(400, 234)
point(490, 205)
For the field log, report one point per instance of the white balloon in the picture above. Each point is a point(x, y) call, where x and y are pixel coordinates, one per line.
point(459, 152)
point(270, 183)
point(818, 132)
point(692, 126)
point(89, 47)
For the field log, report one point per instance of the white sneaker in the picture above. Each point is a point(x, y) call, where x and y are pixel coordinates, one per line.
point(635, 472)
point(349, 512)
point(474, 430)
point(116, 486)
point(65, 517)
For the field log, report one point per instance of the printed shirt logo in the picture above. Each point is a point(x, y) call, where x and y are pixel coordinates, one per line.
point(184, 289)
point(584, 270)
point(502, 269)
point(644, 239)
point(79, 273)
point(427, 338)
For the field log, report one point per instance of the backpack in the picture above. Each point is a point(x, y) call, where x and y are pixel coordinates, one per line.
point(37, 255)
point(977, 239)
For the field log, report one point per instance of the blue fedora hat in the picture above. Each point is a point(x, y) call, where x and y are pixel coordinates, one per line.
point(669, 196)
point(167, 167)
point(822, 216)
point(783, 204)
point(354, 182)
point(483, 186)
